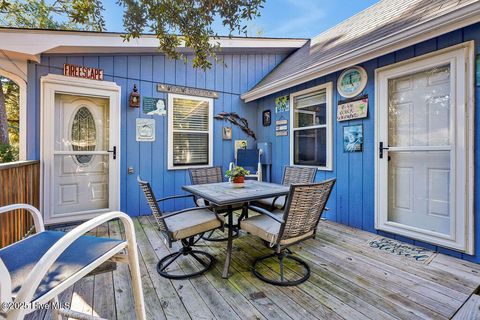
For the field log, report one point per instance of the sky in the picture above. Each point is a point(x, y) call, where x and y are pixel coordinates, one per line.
point(280, 18)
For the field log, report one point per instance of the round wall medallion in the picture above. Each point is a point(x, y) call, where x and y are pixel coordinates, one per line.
point(352, 81)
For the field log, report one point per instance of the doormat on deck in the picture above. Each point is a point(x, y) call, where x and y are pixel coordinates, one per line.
point(401, 249)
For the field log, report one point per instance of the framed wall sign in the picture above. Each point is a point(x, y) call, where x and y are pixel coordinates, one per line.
point(71, 70)
point(352, 110)
point(227, 133)
point(352, 81)
point(154, 106)
point(145, 130)
point(267, 118)
point(282, 104)
point(353, 138)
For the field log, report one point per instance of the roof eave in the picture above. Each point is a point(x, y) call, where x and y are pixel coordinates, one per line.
point(454, 20)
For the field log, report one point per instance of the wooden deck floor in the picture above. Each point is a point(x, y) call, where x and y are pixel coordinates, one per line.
point(350, 280)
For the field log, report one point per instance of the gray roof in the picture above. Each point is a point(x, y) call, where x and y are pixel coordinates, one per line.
point(385, 18)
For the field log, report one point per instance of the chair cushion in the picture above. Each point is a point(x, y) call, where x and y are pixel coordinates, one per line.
point(267, 202)
point(190, 223)
point(21, 257)
point(266, 228)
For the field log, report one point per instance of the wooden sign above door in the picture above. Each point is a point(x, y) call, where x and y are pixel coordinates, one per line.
point(71, 70)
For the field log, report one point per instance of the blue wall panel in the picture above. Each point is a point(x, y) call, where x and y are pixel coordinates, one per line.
point(231, 75)
point(352, 201)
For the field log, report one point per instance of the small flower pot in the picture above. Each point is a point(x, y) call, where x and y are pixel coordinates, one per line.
point(238, 182)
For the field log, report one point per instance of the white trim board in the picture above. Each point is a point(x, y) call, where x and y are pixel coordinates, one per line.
point(458, 19)
point(329, 122)
point(461, 59)
point(51, 85)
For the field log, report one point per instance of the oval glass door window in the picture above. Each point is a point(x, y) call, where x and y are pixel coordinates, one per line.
point(84, 134)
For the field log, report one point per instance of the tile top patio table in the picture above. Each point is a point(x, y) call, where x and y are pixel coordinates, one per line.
point(225, 194)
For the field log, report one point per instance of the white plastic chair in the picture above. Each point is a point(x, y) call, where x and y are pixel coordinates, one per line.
point(37, 269)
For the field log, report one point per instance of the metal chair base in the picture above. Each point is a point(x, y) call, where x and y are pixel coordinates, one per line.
point(185, 251)
point(282, 282)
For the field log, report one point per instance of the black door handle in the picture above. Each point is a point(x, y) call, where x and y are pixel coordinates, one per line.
point(114, 151)
point(380, 149)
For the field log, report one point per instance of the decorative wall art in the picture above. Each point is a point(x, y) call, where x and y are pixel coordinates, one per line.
point(240, 144)
point(353, 138)
point(227, 133)
point(352, 81)
point(267, 118)
point(236, 120)
point(145, 130)
point(154, 106)
point(170, 88)
point(348, 110)
point(282, 104)
point(281, 127)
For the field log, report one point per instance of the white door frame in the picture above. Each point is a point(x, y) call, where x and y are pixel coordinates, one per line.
point(461, 59)
point(51, 85)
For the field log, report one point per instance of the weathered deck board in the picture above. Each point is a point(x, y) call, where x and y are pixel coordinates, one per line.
point(349, 280)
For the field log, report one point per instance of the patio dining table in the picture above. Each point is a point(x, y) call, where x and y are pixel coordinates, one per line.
point(225, 194)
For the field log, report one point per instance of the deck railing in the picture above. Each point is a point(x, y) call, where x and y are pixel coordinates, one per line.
point(19, 183)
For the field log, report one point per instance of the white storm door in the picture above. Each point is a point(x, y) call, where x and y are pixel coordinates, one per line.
point(423, 155)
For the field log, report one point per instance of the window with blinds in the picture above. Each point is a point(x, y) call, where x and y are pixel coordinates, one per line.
point(190, 125)
point(311, 125)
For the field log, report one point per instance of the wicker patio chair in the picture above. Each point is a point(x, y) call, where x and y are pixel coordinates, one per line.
point(183, 226)
point(291, 175)
point(211, 175)
point(282, 229)
point(35, 270)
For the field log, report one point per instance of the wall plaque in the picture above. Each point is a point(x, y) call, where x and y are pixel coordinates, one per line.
point(71, 70)
point(153, 106)
point(163, 87)
point(352, 110)
point(145, 130)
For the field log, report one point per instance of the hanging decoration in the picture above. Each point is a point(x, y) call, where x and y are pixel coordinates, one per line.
point(236, 120)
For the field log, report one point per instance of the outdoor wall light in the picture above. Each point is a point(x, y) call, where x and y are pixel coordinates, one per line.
point(135, 98)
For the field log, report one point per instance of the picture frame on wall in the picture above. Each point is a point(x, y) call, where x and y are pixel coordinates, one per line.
point(227, 133)
point(267, 118)
point(353, 138)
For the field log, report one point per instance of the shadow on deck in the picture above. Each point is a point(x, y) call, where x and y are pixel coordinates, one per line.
point(350, 280)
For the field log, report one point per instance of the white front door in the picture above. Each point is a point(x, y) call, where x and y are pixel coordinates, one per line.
point(80, 177)
point(423, 150)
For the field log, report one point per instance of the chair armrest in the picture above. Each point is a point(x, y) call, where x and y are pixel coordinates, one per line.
point(265, 212)
point(176, 197)
point(38, 272)
point(171, 214)
point(37, 216)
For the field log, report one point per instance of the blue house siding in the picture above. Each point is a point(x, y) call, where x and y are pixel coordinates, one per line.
point(352, 201)
point(232, 75)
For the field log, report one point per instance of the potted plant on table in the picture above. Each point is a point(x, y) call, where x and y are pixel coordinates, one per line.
point(237, 176)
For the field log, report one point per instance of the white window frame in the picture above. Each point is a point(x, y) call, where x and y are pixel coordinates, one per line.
point(171, 96)
point(461, 59)
point(328, 87)
point(22, 104)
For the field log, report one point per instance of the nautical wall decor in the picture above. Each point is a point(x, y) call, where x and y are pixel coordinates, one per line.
point(282, 104)
point(145, 129)
point(266, 118)
point(153, 106)
point(170, 88)
point(352, 81)
point(236, 120)
point(353, 138)
point(348, 110)
point(71, 70)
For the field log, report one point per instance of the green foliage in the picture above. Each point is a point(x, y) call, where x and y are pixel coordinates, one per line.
point(59, 14)
point(236, 172)
point(11, 92)
point(8, 153)
point(175, 23)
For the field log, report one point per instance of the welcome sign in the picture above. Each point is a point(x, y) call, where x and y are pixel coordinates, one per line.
point(71, 70)
point(352, 110)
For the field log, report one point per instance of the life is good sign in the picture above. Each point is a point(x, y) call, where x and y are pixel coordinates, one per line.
point(71, 70)
point(352, 110)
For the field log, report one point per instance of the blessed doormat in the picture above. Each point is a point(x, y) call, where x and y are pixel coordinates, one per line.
point(401, 249)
